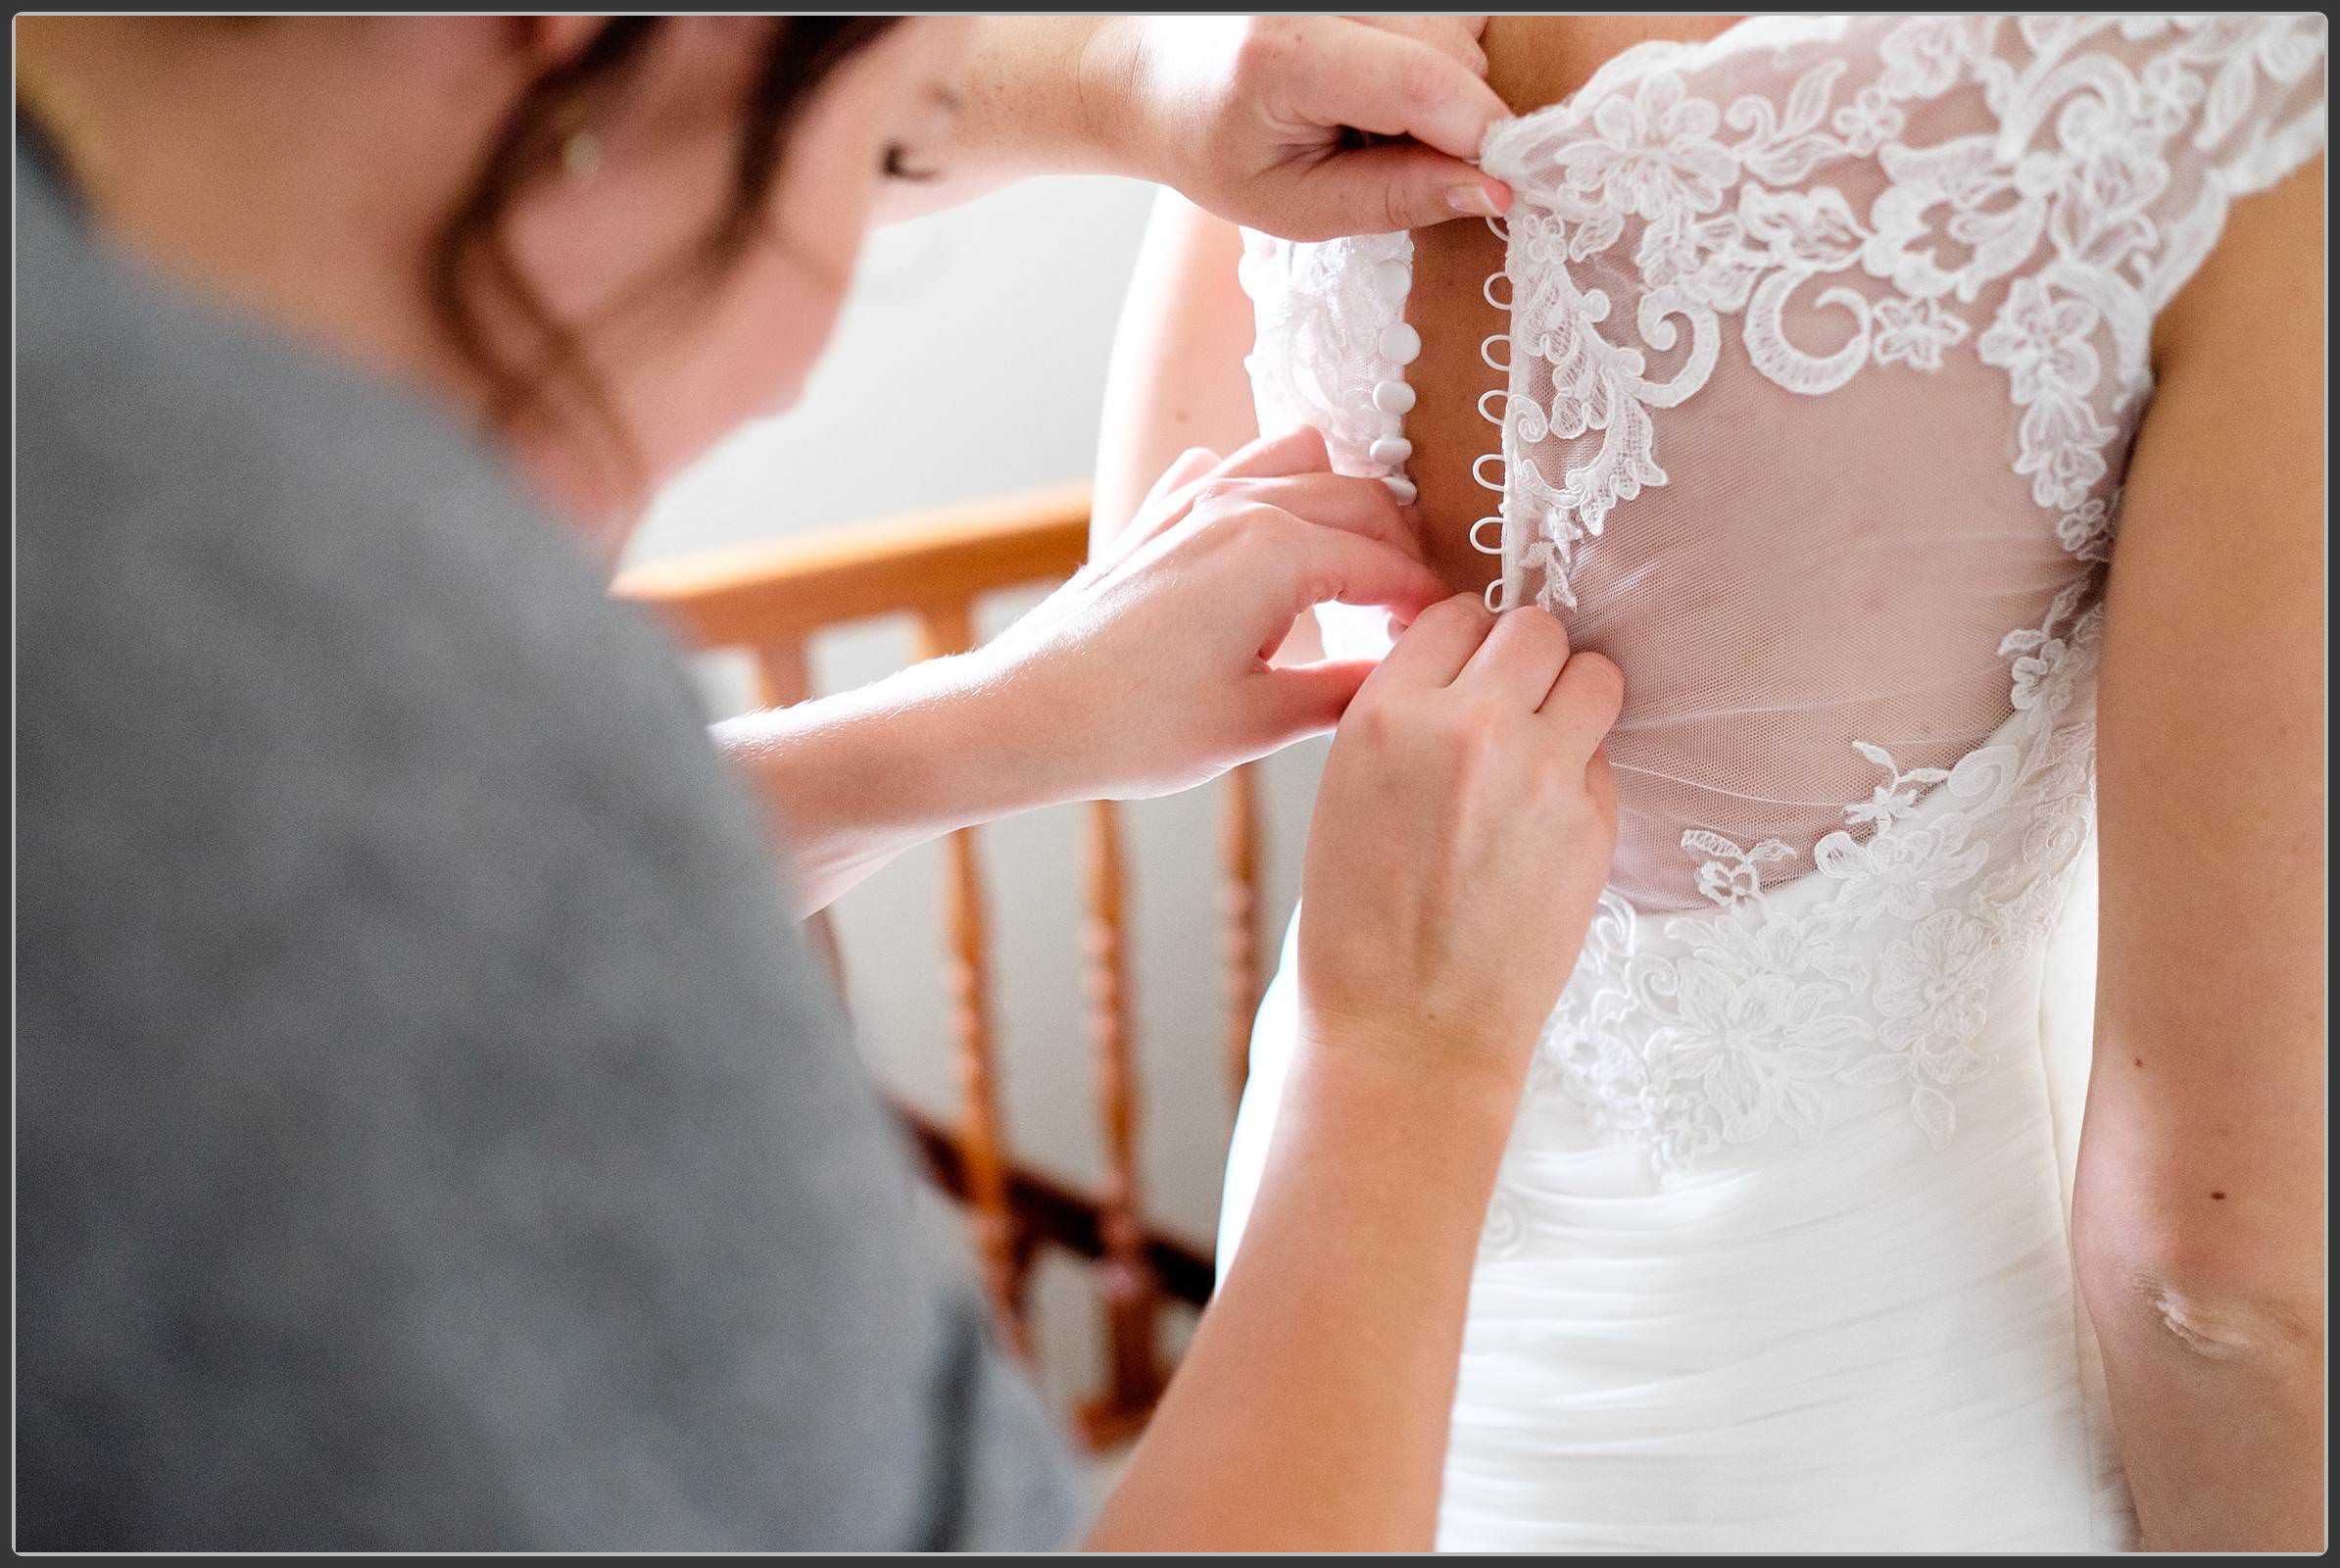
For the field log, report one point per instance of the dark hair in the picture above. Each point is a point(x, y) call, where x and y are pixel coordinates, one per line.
point(478, 286)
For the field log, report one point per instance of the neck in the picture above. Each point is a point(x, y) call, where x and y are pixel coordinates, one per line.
point(298, 169)
point(251, 195)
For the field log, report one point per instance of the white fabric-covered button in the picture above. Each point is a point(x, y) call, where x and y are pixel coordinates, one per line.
point(1393, 279)
point(1400, 343)
point(1402, 488)
point(1392, 450)
point(1393, 396)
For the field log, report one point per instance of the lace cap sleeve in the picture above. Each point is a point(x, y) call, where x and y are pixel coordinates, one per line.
point(2258, 89)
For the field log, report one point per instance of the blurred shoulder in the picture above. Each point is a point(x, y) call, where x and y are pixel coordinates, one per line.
point(196, 484)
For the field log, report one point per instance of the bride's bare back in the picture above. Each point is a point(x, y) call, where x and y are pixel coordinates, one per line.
point(1531, 61)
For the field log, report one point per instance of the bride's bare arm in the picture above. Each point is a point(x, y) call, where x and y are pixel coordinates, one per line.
point(2199, 1218)
point(1176, 380)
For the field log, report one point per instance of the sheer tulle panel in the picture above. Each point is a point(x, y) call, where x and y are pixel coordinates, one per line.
point(1825, 344)
point(1771, 610)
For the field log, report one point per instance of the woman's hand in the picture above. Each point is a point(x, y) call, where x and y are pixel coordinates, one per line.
point(1149, 673)
point(1146, 673)
point(1253, 117)
point(1256, 119)
point(1463, 831)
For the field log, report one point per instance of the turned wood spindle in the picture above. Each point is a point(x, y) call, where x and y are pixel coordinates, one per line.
point(1126, 1279)
point(783, 674)
point(944, 630)
point(1239, 862)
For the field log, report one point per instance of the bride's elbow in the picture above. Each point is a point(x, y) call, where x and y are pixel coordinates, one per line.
point(2210, 1322)
point(2191, 1293)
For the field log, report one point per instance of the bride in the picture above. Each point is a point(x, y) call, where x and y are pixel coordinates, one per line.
point(1926, 414)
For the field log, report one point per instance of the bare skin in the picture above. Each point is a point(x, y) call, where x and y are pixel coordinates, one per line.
point(2199, 1215)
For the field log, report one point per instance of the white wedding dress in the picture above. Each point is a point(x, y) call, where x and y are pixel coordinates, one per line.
point(1827, 342)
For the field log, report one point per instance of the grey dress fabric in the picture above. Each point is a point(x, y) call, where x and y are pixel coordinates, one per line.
point(432, 1132)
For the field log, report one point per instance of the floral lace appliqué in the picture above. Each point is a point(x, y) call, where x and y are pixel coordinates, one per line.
point(1731, 212)
point(2028, 191)
point(1750, 1017)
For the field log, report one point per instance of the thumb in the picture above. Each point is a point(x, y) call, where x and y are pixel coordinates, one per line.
point(1303, 700)
point(1397, 186)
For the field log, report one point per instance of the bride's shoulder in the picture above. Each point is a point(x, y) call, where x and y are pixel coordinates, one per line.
point(2242, 90)
point(1535, 62)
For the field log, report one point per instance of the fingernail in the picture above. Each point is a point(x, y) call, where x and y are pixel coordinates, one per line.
point(1472, 201)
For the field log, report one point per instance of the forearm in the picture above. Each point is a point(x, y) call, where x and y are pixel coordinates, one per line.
point(2198, 1236)
point(2201, 1260)
point(1254, 118)
point(855, 779)
point(1028, 105)
point(2217, 1413)
point(1311, 1410)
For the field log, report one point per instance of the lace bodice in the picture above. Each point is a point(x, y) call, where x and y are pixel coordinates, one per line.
point(1828, 340)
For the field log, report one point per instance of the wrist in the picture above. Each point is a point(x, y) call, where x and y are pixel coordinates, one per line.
point(1106, 63)
point(921, 751)
point(1044, 94)
point(856, 778)
point(960, 724)
point(1456, 1076)
point(1040, 714)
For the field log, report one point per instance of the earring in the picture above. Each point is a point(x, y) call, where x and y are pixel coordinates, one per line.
point(580, 144)
point(581, 156)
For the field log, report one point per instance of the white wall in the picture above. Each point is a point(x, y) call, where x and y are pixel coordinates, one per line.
point(970, 362)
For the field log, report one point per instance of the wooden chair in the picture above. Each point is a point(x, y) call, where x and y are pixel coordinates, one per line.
point(770, 600)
